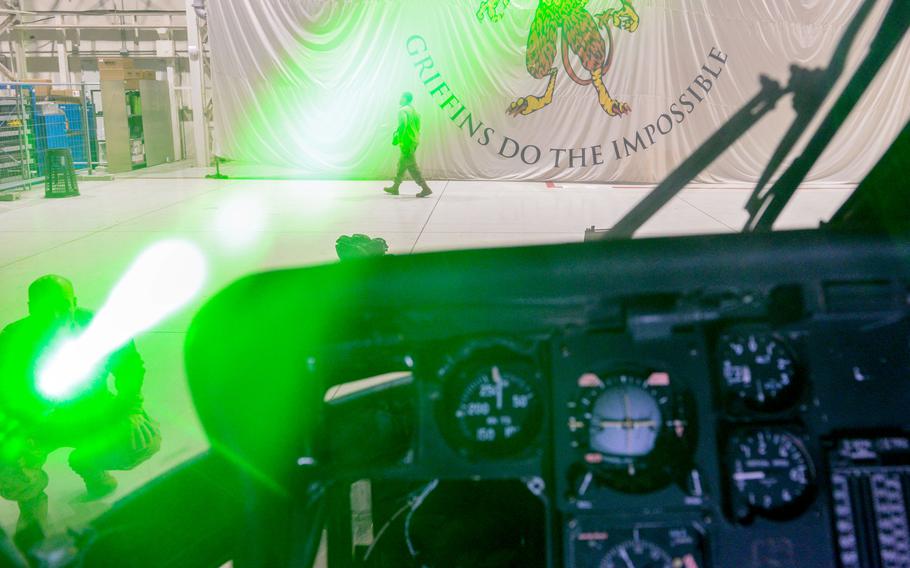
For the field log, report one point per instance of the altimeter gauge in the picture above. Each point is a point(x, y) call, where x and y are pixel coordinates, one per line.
point(492, 408)
point(770, 473)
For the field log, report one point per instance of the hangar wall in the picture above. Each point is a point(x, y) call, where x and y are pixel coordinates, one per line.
point(638, 85)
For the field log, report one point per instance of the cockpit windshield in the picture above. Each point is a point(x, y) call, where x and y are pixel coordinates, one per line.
point(232, 141)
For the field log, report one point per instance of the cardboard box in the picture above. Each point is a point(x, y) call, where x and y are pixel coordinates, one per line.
point(135, 75)
point(113, 75)
point(114, 63)
point(42, 86)
point(66, 94)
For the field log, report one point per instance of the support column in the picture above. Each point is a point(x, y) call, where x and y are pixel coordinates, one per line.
point(195, 48)
point(19, 54)
point(19, 50)
point(166, 48)
point(73, 48)
point(63, 65)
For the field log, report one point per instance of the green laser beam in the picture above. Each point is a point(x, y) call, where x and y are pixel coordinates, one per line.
point(163, 279)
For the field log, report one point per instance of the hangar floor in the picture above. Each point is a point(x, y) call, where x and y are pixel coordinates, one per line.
point(249, 225)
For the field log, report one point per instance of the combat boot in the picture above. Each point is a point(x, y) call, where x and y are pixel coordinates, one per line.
point(31, 524)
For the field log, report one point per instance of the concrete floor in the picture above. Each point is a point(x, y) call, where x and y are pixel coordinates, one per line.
point(245, 226)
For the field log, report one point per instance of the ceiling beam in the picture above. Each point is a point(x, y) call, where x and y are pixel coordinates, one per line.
point(37, 27)
point(7, 23)
point(98, 12)
point(7, 72)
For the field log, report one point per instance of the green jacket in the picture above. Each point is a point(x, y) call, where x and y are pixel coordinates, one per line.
point(407, 137)
point(24, 343)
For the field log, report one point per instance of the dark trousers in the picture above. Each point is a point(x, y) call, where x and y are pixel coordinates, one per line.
point(408, 163)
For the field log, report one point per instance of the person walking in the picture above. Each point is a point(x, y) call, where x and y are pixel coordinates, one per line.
point(407, 138)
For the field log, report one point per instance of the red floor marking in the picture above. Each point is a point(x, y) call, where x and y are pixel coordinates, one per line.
point(551, 185)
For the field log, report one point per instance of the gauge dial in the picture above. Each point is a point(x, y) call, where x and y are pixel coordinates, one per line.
point(632, 431)
point(759, 369)
point(625, 421)
point(637, 554)
point(494, 409)
point(770, 472)
point(604, 546)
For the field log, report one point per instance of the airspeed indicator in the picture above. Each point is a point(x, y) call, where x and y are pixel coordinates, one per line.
point(492, 409)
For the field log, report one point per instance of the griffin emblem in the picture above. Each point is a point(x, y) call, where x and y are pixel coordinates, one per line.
point(568, 23)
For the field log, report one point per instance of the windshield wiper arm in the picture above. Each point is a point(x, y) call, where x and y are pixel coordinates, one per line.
point(765, 209)
point(739, 124)
point(810, 89)
point(807, 100)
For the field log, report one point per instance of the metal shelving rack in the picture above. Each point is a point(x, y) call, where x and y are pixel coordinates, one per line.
point(17, 139)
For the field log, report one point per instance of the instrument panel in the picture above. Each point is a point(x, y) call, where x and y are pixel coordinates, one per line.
point(685, 446)
point(698, 446)
point(705, 402)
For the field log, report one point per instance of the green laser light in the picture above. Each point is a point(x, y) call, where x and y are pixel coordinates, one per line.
point(164, 278)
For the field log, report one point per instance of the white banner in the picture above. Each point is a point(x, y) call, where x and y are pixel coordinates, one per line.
point(571, 90)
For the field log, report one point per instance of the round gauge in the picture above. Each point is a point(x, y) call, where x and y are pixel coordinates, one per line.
point(759, 369)
point(494, 409)
point(633, 431)
point(636, 554)
point(770, 472)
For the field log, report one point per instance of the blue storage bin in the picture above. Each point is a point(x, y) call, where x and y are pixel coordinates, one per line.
point(65, 131)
